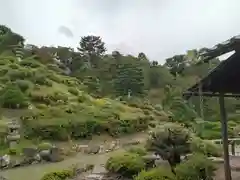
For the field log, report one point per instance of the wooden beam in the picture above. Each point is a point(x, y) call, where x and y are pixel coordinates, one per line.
point(225, 138)
point(209, 94)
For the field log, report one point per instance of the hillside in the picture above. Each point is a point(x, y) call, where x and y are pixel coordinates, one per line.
point(46, 100)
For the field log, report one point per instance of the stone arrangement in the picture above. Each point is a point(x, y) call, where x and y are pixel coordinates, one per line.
point(32, 156)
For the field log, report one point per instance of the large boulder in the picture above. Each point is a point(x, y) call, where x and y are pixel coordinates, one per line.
point(55, 154)
point(93, 150)
point(52, 155)
point(29, 152)
point(45, 155)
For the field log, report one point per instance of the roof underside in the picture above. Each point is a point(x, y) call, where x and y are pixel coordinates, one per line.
point(224, 78)
point(221, 48)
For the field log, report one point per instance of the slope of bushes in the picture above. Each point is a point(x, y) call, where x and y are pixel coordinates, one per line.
point(59, 107)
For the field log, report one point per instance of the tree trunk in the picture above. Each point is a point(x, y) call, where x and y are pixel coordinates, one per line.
point(174, 161)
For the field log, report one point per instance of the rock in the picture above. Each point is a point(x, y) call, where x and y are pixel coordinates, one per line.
point(55, 154)
point(29, 152)
point(5, 161)
point(45, 155)
point(37, 157)
point(82, 148)
point(94, 177)
point(3, 178)
point(93, 150)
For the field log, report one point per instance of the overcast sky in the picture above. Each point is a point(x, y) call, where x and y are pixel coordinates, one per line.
point(160, 28)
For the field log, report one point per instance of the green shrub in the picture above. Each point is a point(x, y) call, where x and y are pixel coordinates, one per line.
point(41, 106)
point(40, 98)
point(205, 147)
point(13, 66)
point(12, 151)
point(197, 167)
point(4, 79)
point(30, 63)
point(44, 146)
point(54, 78)
point(12, 97)
point(15, 74)
point(58, 175)
point(3, 71)
point(156, 174)
point(59, 96)
point(82, 98)
point(41, 79)
point(138, 150)
point(73, 91)
point(23, 84)
point(55, 67)
point(126, 164)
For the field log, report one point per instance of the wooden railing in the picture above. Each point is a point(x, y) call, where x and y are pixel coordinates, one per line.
point(234, 145)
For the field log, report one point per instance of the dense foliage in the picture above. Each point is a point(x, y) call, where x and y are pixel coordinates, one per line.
point(197, 167)
point(156, 174)
point(170, 142)
point(126, 164)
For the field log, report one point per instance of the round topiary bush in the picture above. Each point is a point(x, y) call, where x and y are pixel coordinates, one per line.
point(73, 91)
point(126, 164)
point(156, 174)
point(58, 175)
point(44, 146)
point(23, 84)
point(138, 150)
point(30, 63)
point(197, 167)
point(12, 97)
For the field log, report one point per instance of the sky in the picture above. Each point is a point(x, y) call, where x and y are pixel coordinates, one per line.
point(159, 28)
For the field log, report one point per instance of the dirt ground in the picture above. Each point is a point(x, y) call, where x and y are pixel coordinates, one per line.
point(234, 162)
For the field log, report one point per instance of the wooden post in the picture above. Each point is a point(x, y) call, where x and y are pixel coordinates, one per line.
point(201, 101)
point(225, 138)
point(233, 148)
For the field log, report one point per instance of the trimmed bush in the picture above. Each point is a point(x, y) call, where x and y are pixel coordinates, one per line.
point(15, 74)
point(24, 85)
point(44, 146)
point(54, 78)
point(30, 63)
point(138, 150)
point(73, 91)
point(12, 97)
point(41, 79)
point(58, 175)
point(197, 167)
point(156, 174)
point(126, 164)
point(14, 66)
point(205, 147)
point(3, 71)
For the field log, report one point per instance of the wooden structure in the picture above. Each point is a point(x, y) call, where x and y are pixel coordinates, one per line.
point(221, 82)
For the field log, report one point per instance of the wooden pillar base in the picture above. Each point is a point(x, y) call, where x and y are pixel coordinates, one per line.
point(225, 138)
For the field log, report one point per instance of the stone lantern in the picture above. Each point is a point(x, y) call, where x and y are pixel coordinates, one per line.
point(13, 135)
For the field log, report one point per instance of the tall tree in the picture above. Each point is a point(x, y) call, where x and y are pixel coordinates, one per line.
point(176, 64)
point(92, 47)
point(129, 78)
point(9, 40)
